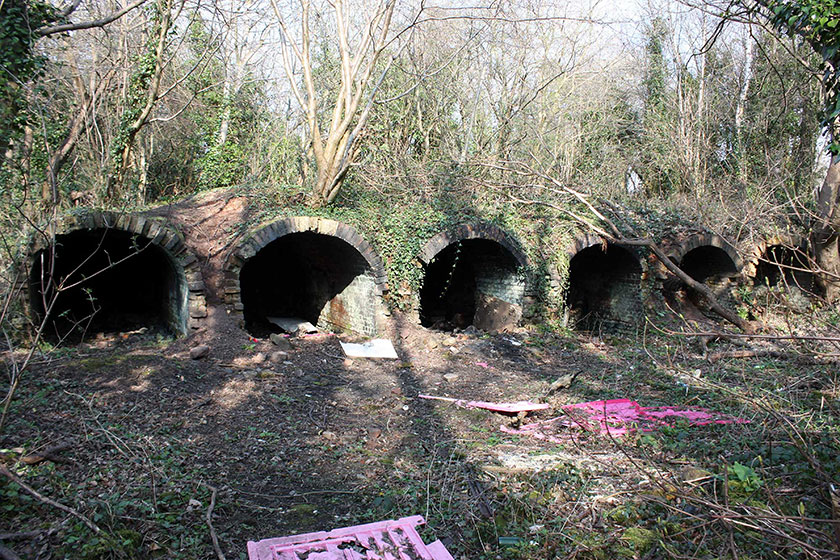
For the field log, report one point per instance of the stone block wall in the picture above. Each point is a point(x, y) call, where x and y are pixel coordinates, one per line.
point(356, 308)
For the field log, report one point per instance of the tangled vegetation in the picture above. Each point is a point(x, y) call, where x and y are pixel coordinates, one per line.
point(548, 121)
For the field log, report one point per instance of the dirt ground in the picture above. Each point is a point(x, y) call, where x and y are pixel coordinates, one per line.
point(293, 441)
point(304, 439)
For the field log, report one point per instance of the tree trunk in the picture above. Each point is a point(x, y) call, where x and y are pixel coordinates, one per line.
point(227, 95)
point(825, 235)
point(151, 99)
point(740, 108)
point(333, 167)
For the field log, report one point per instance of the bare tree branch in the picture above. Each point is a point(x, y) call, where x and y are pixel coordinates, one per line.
point(102, 22)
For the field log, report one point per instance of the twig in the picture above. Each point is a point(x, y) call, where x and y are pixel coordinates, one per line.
point(19, 536)
point(208, 520)
point(762, 353)
point(757, 336)
point(297, 494)
point(110, 436)
point(14, 478)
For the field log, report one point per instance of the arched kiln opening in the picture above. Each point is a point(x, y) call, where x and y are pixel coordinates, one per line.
point(319, 278)
point(106, 280)
point(604, 288)
point(466, 276)
point(708, 262)
point(785, 266)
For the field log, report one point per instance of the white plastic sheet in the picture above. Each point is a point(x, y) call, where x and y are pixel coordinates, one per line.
point(376, 348)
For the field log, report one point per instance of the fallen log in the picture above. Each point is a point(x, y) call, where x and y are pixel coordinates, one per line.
point(49, 454)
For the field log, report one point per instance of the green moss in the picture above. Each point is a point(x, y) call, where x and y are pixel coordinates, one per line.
point(640, 539)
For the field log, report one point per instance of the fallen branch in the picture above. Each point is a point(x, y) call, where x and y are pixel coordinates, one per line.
point(209, 521)
point(715, 356)
point(49, 454)
point(766, 353)
point(834, 496)
point(757, 336)
point(613, 234)
point(34, 493)
point(672, 267)
point(25, 535)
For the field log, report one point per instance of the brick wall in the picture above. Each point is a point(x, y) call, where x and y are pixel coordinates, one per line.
point(496, 277)
point(605, 289)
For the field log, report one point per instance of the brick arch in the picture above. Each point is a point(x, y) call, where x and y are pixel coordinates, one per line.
point(604, 284)
point(707, 240)
point(469, 270)
point(158, 233)
point(464, 232)
point(263, 236)
point(587, 240)
point(768, 260)
point(758, 250)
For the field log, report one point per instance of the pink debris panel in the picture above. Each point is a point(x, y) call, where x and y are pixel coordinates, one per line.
point(505, 408)
point(383, 540)
point(616, 417)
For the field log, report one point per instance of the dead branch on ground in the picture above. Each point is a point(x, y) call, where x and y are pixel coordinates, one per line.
point(208, 518)
point(43, 499)
point(24, 535)
point(49, 454)
point(6, 554)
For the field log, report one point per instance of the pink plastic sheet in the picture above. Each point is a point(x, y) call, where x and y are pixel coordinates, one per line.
point(506, 408)
point(383, 540)
point(617, 417)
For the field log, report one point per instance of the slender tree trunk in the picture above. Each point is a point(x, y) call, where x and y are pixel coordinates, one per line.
point(225, 124)
point(143, 157)
point(50, 194)
point(746, 79)
point(698, 178)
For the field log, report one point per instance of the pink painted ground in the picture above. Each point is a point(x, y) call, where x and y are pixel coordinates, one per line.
point(616, 417)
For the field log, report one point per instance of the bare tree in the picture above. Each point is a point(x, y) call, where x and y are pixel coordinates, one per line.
point(334, 143)
point(150, 82)
point(816, 23)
